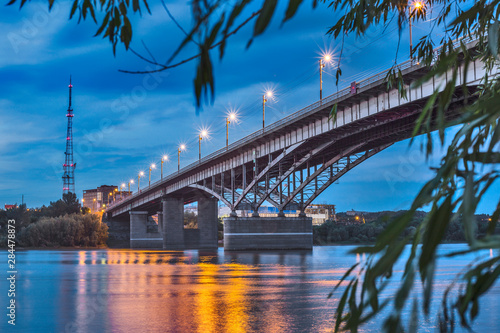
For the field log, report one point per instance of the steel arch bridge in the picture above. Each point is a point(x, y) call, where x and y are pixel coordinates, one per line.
point(289, 163)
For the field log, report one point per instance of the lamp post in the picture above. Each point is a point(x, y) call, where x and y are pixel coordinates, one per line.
point(163, 160)
point(268, 93)
point(130, 182)
point(322, 63)
point(114, 194)
point(203, 134)
point(139, 180)
point(230, 116)
point(181, 148)
point(152, 166)
point(93, 206)
point(418, 8)
point(122, 186)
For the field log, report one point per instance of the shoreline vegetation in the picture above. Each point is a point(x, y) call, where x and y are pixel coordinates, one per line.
point(61, 224)
point(352, 231)
point(66, 231)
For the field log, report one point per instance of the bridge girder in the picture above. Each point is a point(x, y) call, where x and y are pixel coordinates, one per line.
point(211, 192)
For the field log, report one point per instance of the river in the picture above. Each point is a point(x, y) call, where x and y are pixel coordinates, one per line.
point(192, 291)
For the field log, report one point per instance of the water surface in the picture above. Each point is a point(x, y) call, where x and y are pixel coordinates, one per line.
point(191, 291)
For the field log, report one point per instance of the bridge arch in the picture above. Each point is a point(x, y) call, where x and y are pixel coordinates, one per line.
point(211, 192)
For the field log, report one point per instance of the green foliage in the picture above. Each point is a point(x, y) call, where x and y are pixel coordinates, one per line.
point(62, 223)
point(190, 220)
point(68, 230)
point(24, 216)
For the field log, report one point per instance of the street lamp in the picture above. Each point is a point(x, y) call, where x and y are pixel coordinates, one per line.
point(163, 160)
point(139, 180)
point(322, 63)
point(203, 134)
point(93, 206)
point(114, 194)
point(417, 8)
point(268, 93)
point(230, 116)
point(181, 148)
point(130, 182)
point(152, 166)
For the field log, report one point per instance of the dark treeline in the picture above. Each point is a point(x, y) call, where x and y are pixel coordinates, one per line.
point(332, 232)
point(62, 223)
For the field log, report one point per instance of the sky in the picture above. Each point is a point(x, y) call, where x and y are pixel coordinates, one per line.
point(124, 122)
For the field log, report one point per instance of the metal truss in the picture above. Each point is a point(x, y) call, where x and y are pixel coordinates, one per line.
point(253, 184)
point(295, 184)
point(327, 174)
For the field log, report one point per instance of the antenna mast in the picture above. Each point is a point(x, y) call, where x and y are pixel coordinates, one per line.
point(69, 166)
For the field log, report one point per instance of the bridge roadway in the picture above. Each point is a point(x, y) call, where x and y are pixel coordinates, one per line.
point(287, 164)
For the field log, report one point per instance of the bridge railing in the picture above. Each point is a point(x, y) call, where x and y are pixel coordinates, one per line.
point(315, 106)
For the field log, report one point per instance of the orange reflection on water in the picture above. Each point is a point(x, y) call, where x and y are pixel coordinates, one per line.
point(81, 257)
point(149, 291)
point(206, 301)
point(236, 316)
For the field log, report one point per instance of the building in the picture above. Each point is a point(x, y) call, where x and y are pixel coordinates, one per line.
point(321, 213)
point(97, 199)
point(10, 206)
point(353, 213)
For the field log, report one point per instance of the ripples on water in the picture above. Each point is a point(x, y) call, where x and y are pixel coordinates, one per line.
point(191, 291)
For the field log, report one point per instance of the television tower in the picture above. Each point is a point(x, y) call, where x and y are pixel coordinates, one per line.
point(69, 166)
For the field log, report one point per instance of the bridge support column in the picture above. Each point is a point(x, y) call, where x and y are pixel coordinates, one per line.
point(207, 222)
point(160, 223)
point(268, 233)
point(173, 224)
point(139, 235)
point(119, 231)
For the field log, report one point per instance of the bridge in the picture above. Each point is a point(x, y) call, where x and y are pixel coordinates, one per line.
point(286, 164)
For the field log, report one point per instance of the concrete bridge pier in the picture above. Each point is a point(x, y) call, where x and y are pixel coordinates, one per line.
point(119, 231)
point(207, 222)
point(160, 224)
point(173, 223)
point(140, 236)
point(268, 233)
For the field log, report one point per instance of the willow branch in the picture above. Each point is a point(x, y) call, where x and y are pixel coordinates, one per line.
point(164, 67)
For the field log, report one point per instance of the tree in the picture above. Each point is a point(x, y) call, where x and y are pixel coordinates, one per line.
point(71, 201)
point(464, 175)
point(67, 205)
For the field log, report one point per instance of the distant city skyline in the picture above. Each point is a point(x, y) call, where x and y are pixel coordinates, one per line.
point(125, 122)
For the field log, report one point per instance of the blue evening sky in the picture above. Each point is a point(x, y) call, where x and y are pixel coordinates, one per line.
point(125, 122)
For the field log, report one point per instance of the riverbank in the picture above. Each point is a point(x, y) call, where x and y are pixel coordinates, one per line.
point(335, 233)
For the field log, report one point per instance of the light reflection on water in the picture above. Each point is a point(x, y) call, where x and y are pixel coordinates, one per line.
point(191, 291)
